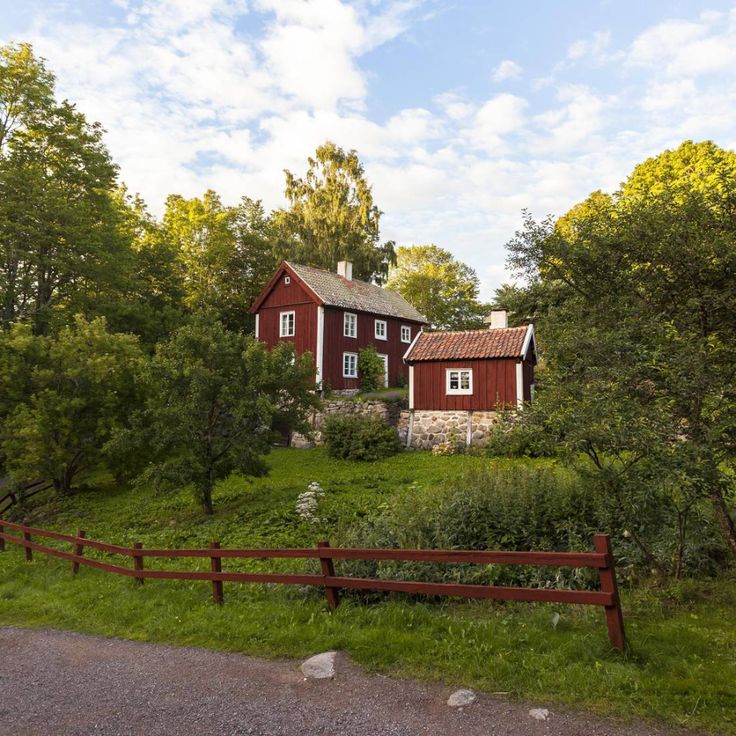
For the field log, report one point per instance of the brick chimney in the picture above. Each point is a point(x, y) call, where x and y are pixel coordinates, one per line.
point(498, 319)
point(345, 269)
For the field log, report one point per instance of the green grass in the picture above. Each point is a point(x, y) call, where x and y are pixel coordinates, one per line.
point(681, 668)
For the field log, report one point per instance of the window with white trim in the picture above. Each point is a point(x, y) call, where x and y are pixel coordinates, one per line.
point(287, 324)
point(287, 280)
point(459, 381)
point(381, 329)
point(405, 333)
point(350, 365)
point(350, 324)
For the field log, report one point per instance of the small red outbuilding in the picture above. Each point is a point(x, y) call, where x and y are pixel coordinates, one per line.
point(473, 370)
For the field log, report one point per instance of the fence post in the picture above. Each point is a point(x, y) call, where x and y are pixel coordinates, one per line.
point(78, 551)
point(328, 569)
point(2, 541)
point(614, 615)
point(138, 562)
point(216, 564)
point(29, 551)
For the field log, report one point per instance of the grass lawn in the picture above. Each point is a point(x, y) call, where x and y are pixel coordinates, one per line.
point(681, 668)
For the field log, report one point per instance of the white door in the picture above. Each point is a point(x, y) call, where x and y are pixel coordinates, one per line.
point(384, 358)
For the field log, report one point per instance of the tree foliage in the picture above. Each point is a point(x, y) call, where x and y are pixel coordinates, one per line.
point(370, 369)
point(59, 244)
point(443, 289)
point(332, 216)
point(78, 391)
point(635, 295)
point(213, 395)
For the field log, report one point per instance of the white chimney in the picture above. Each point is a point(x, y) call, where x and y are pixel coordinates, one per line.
point(345, 269)
point(498, 320)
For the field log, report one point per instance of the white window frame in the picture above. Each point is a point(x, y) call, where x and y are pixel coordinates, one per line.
point(385, 329)
point(286, 315)
point(406, 330)
point(346, 321)
point(354, 356)
point(458, 391)
point(287, 280)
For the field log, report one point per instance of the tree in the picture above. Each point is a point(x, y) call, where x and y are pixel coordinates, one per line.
point(212, 398)
point(59, 242)
point(332, 217)
point(648, 271)
point(82, 388)
point(443, 289)
point(225, 254)
point(370, 368)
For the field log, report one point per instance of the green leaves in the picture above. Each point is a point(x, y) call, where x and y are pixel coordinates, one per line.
point(212, 398)
point(444, 290)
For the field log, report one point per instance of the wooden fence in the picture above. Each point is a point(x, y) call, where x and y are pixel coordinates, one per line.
point(601, 559)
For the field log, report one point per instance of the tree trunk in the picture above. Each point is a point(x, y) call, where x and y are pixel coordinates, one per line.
point(207, 497)
point(724, 518)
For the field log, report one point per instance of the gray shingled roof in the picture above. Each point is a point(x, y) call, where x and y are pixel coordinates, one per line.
point(337, 291)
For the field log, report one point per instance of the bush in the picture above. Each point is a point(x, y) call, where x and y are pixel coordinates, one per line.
point(523, 505)
point(360, 438)
point(370, 368)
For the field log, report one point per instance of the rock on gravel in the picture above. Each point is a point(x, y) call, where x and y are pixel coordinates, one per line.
point(461, 698)
point(320, 667)
point(539, 714)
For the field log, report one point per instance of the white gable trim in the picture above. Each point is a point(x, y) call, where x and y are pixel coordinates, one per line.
point(529, 339)
point(413, 342)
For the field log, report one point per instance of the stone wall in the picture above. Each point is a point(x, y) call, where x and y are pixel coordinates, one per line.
point(389, 411)
point(417, 429)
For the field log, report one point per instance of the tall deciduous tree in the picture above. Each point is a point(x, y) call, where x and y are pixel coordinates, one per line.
point(650, 271)
point(332, 216)
point(225, 254)
point(213, 397)
point(443, 289)
point(59, 244)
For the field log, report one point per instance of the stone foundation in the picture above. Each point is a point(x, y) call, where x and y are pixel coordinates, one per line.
point(466, 428)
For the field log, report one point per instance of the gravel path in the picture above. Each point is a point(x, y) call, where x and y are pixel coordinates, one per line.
point(53, 682)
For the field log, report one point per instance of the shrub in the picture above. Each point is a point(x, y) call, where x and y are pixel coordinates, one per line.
point(520, 505)
point(370, 368)
point(360, 438)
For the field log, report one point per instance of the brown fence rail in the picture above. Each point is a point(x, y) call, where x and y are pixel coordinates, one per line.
point(601, 559)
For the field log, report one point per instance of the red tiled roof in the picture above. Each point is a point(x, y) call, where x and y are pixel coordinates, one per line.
point(506, 342)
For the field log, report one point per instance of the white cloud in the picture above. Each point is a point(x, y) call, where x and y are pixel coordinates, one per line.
point(227, 93)
point(507, 69)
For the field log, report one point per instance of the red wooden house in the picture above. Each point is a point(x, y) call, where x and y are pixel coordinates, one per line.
point(332, 316)
point(474, 370)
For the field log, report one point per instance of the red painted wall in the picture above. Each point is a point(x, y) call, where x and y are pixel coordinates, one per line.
point(286, 298)
point(494, 385)
point(336, 343)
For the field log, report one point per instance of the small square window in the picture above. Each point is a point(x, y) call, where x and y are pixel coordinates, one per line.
point(381, 329)
point(405, 333)
point(350, 365)
point(459, 382)
point(350, 324)
point(287, 324)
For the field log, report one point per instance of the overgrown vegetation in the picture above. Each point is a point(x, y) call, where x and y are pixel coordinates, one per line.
point(370, 370)
point(354, 437)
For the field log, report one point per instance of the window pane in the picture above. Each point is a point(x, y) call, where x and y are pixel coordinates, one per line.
point(465, 380)
point(454, 380)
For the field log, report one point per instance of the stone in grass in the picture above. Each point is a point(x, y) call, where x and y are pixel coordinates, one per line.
point(461, 698)
point(319, 667)
point(539, 714)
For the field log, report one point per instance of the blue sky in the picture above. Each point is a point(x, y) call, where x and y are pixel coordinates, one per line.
point(463, 113)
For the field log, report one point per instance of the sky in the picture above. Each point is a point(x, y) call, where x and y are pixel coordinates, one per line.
point(463, 113)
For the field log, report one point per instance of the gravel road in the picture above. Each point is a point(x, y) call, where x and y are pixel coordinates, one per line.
point(54, 682)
